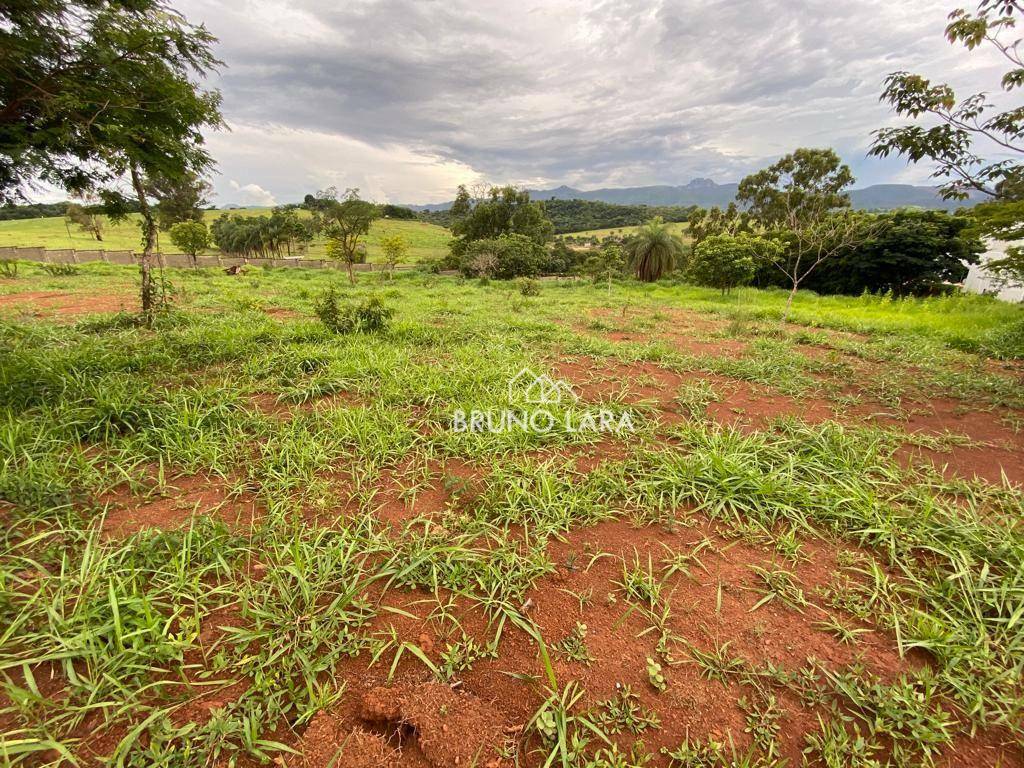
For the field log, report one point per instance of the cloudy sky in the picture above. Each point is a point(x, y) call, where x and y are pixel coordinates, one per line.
point(406, 99)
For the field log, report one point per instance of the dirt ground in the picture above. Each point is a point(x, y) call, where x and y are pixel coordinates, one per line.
point(481, 718)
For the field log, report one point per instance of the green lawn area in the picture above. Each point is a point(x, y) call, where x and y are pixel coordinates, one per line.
point(426, 241)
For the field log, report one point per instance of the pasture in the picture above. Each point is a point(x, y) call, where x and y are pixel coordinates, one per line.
point(426, 241)
point(237, 538)
point(676, 228)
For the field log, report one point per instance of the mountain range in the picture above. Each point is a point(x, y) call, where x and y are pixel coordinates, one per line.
point(706, 193)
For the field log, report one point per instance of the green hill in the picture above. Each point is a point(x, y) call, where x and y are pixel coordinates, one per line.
point(425, 240)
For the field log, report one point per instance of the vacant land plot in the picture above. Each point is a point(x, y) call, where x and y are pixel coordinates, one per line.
point(237, 538)
point(426, 241)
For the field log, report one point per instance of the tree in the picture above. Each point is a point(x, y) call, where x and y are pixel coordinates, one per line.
point(87, 217)
point(1003, 220)
point(395, 249)
point(390, 211)
point(504, 257)
point(706, 223)
point(728, 261)
point(346, 223)
point(178, 199)
point(504, 211)
point(964, 123)
point(905, 252)
point(605, 263)
point(801, 201)
point(653, 250)
point(94, 91)
point(192, 237)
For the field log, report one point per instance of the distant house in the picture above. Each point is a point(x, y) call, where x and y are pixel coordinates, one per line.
point(980, 281)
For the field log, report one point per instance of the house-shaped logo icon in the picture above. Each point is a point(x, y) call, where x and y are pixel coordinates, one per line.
point(541, 390)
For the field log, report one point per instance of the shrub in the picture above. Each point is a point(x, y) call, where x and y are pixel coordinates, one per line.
point(8, 268)
point(513, 256)
point(561, 259)
point(528, 287)
point(727, 261)
point(369, 316)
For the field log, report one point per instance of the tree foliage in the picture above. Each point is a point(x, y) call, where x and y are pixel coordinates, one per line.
point(87, 218)
point(261, 236)
point(653, 251)
point(729, 261)
point(193, 237)
point(395, 249)
point(905, 252)
point(179, 199)
point(580, 215)
point(345, 223)
point(606, 262)
point(963, 127)
point(707, 223)
point(93, 90)
point(801, 201)
point(501, 211)
point(504, 257)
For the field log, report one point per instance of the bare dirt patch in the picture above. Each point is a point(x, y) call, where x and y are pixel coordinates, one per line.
point(995, 449)
point(183, 499)
point(751, 407)
point(67, 303)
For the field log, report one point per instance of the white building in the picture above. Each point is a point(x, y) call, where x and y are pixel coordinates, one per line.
point(978, 280)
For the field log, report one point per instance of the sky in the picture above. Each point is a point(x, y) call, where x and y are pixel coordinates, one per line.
point(407, 99)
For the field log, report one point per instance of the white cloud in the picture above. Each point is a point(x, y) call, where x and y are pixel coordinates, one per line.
point(295, 162)
point(251, 194)
point(406, 98)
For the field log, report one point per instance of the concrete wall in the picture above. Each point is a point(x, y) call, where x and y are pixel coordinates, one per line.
point(177, 260)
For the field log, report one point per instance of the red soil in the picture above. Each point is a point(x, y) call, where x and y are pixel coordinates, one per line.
point(67, 303)
point(184, 498)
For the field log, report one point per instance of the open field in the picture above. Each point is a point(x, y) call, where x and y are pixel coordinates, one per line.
point(426, 241)
point(676, 228)
point(237, 538)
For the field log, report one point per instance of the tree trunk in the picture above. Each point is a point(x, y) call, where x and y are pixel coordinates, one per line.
point(351, 273)
point(789, 302)
point(149, 239)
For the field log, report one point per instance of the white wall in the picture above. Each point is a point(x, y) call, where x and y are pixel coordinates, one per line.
point(979, 281)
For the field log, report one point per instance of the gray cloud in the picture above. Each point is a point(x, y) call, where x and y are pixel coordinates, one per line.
point(408, 96)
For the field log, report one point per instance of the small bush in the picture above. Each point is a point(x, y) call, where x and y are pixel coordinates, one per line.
point(369, 316)
point(8, 268)
point(528, 287)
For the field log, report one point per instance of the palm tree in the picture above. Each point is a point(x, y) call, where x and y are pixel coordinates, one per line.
point(653, 250)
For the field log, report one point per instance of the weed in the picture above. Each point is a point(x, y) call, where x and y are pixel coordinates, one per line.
point(574, 646)
point(370, 316)
point(623, 712)
point(655, 676)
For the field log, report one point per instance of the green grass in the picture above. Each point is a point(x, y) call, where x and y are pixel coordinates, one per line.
point(677, 227)
point(277, 620)
point(426, 241)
